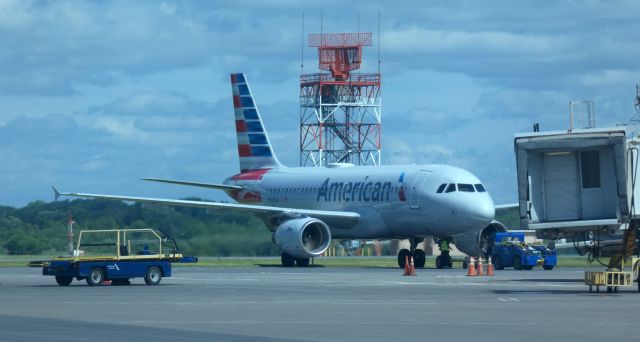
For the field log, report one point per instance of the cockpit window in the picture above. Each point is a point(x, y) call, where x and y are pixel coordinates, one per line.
point(466, 188)
point(480, 188)
point(441, 188)
point(451, 188)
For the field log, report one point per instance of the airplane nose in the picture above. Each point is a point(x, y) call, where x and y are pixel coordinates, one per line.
point(484, 211)
point(481, 213)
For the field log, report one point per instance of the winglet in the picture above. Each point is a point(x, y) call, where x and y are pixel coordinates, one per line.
point(56, 193)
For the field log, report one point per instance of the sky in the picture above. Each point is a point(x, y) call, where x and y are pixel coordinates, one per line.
point(97, 94)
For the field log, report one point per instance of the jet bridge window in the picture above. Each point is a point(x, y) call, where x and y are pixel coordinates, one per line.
point(590, 163)
point(466, 187)
point(451, 188)
point(480, 188)
point(441, 188)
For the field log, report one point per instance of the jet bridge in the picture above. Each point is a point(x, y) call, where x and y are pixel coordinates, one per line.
point(574, 182)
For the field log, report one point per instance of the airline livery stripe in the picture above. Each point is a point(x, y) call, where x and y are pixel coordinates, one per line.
point(243, 89)
point(237, 78)
point(236, 101)
point(257, 139)
point(251, 114)
point(244, 150)
point(246, 101)
point(253, 126)
point(240, 126)
point(261, 151)
point(243, 138)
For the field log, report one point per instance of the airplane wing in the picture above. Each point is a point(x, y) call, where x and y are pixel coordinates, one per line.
point(201, 185)
point(335, 219)
point(507, 206)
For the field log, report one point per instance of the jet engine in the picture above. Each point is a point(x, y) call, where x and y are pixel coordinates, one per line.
point(303, 238)
point(477, 243)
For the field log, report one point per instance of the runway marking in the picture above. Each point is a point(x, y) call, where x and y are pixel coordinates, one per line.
point(508, 299)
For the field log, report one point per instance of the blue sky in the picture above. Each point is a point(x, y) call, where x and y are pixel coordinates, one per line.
point(98, 94)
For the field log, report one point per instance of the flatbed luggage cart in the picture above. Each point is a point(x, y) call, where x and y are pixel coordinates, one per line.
point(115, 256)
point(613, 279)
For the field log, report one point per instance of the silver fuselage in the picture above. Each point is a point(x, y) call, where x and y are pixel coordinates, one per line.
point(393, 201)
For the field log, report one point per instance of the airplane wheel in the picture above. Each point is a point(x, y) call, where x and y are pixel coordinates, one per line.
point(287, 260)
point(465, 264)
point(419, 258)
point(439, 263)
point(302, 262)
point(402, 257)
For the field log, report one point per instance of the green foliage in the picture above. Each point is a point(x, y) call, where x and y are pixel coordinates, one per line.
point(42, 227)
point(509, 217)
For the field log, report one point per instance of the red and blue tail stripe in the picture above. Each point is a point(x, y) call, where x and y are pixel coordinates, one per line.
point(254, 148)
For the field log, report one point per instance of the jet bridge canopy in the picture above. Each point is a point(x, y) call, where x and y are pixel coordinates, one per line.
point(572, 181)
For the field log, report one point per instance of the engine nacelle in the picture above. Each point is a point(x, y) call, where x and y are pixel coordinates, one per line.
point(303, 238)
point(477, 243)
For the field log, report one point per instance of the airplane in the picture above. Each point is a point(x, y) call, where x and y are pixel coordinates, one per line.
point(305, 207)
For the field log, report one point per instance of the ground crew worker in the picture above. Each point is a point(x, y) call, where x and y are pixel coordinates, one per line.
point(444, 252)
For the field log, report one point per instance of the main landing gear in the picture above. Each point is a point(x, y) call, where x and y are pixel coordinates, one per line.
point(419, 257)
point(290, 261)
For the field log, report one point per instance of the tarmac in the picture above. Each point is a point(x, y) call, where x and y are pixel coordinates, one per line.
point(318, 304)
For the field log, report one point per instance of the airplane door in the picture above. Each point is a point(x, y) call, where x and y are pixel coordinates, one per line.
point(414, 190)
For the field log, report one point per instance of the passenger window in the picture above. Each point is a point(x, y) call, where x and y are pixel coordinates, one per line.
point(441, 188)
point(480, 188)
point(466, 188)
point(451, 188)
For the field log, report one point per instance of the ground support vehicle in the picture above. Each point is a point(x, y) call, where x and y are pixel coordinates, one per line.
point(613, 279)
point(135, 253)
point(510, 250)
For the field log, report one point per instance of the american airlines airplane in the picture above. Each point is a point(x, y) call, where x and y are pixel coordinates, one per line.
point(305, 208)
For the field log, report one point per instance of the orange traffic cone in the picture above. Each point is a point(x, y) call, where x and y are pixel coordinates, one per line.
point(472, 267)
point(480, 267)
point(412, 270)
point(489, 268)
point(407, 268)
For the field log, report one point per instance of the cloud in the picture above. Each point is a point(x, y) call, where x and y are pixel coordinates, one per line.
point(103, 149)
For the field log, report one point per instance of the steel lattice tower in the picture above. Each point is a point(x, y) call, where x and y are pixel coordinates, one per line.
point(340, 117)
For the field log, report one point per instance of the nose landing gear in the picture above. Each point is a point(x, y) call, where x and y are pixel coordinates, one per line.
point(419, 257)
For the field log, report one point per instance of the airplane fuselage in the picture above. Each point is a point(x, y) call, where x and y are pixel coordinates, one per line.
point(394, 201)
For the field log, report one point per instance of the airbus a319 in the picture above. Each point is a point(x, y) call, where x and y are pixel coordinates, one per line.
point(305, 207)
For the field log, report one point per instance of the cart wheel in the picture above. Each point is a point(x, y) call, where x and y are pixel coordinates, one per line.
point(547, 267)
point(497, 263)
point(96, 276)
point(615, 289)
point(597, 288)
point(609, 289)
point(590, 289)
point(517, 263)
point(63, 281)
point(154, 275)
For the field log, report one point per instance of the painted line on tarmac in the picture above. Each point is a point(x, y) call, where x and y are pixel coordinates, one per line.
point(508, 299)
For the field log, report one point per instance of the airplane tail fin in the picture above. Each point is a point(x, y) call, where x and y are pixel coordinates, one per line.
point(254, 147)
